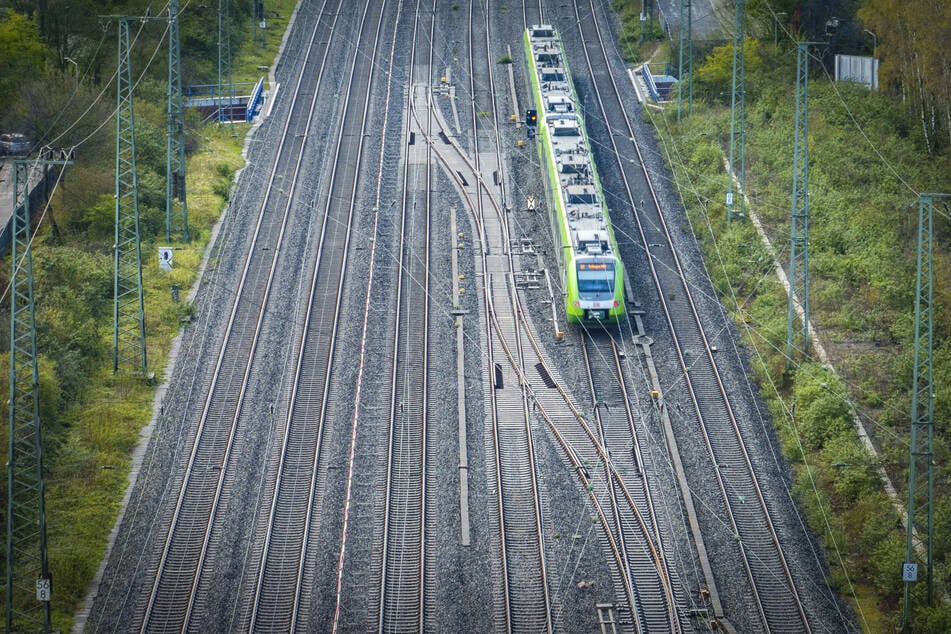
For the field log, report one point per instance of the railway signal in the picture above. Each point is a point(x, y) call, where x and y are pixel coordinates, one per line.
point(531, 117)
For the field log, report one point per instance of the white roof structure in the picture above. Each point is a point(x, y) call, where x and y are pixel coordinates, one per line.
point(568, 147)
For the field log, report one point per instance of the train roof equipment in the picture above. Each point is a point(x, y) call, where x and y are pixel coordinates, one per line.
point(584, 209)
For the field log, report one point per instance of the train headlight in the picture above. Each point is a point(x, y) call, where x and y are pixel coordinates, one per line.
point(577, 304)
point(616, 303)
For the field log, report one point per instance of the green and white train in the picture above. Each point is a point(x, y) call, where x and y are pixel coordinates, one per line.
point(592, 272)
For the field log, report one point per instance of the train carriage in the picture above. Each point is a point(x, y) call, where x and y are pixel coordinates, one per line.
point(592, 273)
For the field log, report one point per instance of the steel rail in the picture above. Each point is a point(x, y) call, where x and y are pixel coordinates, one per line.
point(536, 16)
point(724, 440)
point(402, 584)
point(648, 542)
point(576, 420)
point(279, 590)
point(656, 605)
point(488, 240)
point(172, 595)
point(522, 541)
point(364, 91)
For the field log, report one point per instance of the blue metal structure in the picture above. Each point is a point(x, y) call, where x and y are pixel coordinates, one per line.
point(254, 101)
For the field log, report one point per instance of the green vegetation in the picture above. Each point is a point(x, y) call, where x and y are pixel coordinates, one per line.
point(637, 38)
point(870, 154)
point(91, 418)
point(918, 63)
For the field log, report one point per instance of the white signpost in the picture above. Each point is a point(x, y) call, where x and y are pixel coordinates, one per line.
point(165, 258)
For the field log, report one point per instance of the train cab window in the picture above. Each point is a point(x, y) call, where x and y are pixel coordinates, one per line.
point(596, 280)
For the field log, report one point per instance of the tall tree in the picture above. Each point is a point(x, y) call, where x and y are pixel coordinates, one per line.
point(914, 43)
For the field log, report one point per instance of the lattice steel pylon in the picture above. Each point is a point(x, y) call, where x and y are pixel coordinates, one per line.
point(686, 41)
point(225, 85)
point(176, 204)
point(27, 572)
point(920, 522)
point(799, 231)
point(735, 204)
point(128, 350)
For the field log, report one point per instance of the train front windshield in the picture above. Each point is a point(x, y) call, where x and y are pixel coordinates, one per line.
point(596, 281)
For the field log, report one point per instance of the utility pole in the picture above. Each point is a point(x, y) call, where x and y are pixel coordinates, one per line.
point(799, 240)
point(224, 59)
point(776, 28)
point(128, 347)
point(686, 42)
point(176, 205)
point(735, 204)
point(643, 17)
point(259, 21)
point(28, 583)
point(920, 522)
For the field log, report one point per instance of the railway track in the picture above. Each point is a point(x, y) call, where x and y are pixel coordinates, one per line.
point(514, 356)
point(647, 596)
point(283, 582)
point(310, 571)
point(403, 607)
point(512, 340)
point(521, 595)
point(171, 601)
point(631, 514)
point(527, 598)
point(772, 592)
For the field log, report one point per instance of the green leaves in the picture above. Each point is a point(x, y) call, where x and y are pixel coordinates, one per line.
point(21, 49)
point(714, 76)
point(916, 61)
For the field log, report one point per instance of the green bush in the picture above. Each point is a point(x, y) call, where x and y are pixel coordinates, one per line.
point(713, 78)
point(822, 411)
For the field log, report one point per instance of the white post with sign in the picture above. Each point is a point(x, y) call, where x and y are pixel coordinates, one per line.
point(44, 589)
